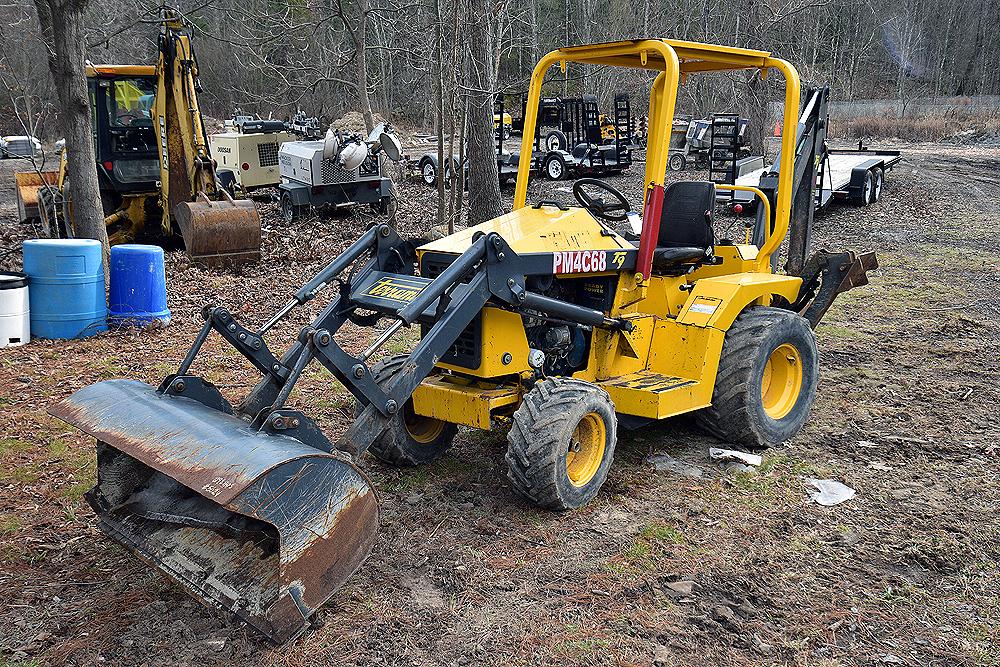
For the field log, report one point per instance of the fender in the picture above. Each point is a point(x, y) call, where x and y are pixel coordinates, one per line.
point(716, 302)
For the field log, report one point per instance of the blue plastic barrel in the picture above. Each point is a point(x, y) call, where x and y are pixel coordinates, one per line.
point(138, 291)
point(66, 287)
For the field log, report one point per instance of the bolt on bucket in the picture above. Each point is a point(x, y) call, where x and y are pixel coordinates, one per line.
point(259, 525)
point(220, 233)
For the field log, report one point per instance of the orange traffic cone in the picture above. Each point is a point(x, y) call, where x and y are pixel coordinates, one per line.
point(777, 128)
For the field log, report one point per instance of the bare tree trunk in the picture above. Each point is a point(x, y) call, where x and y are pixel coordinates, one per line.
point(62, 29)
point(460, 188)
point(484, 177)
point(439, 108)
point(363, 94)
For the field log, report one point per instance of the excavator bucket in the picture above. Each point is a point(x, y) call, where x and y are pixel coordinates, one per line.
point(254, 523)
point(220, 233)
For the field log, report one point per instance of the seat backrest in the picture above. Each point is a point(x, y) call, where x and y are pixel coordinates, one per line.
point(580, 151)
point(686, 218)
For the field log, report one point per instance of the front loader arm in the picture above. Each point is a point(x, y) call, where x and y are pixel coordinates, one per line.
point(371, 287)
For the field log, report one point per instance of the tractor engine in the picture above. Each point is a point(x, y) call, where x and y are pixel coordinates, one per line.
point(564, 344)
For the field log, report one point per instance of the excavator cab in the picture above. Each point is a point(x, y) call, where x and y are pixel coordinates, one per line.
point(127, 158)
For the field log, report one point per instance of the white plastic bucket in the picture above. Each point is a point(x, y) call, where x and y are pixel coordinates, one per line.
point(15, 321)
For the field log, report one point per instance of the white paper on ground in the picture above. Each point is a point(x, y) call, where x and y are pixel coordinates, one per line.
point(718, 454)
point(829, 492)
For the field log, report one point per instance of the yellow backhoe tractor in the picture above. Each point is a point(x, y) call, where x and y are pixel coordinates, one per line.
point(154, 168)
point(545, 319)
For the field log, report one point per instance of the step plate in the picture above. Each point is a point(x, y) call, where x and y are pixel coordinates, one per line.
point(652, 395)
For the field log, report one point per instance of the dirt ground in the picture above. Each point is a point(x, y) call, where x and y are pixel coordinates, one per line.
point(698, 567)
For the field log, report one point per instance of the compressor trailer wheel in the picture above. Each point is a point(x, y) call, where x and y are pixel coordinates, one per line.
point(561, 444)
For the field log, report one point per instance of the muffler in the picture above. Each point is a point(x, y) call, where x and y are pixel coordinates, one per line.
point(220, 233)
point(257, 524)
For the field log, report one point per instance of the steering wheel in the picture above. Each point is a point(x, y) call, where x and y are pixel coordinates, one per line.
point(614, 211)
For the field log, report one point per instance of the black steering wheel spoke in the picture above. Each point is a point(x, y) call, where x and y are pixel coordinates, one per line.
point(613, 211)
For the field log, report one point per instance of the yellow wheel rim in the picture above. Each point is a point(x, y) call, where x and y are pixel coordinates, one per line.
point(586, 449)
point(781, 383)
point(424, 430)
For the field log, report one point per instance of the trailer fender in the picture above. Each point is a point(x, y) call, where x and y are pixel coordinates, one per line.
point(857, 183)
point(297, 192)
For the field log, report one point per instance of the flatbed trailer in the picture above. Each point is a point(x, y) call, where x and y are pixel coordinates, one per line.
point(852, 175)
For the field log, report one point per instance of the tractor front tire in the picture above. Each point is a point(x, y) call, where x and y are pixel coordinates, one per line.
point(410, 439)
point(767, 379)
point(561, 443)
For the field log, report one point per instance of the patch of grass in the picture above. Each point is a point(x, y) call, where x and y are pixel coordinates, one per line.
point(12, 445)
point(413, 480)
point(74, 491)
point(453, 468)
point(651, 545)
point(402, 343)
point(754, 482)
point(837, 331)
point(58, 447)
point(637, 553)
point(661, 532)
point(18, 663)
point(583, 646)
point(617, 567)
point(27, 473)
point(9, 524)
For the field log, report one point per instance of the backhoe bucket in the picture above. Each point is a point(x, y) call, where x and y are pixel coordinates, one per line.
point(220, 233)
point(259, 525)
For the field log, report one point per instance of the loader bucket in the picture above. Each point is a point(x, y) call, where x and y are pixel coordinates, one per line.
point(220, 233)
point(259, 525)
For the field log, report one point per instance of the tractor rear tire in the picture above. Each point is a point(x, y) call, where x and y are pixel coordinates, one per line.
point(68, 216)
point(767, 379)
point(561, 443)
point(410, 439)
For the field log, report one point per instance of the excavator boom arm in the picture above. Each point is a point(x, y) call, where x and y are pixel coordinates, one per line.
point(216, 231)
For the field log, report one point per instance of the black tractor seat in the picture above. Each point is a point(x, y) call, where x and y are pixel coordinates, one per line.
point(665, 258)
point(686, 236)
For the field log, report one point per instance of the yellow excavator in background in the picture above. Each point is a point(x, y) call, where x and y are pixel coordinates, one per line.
point(153, 161)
